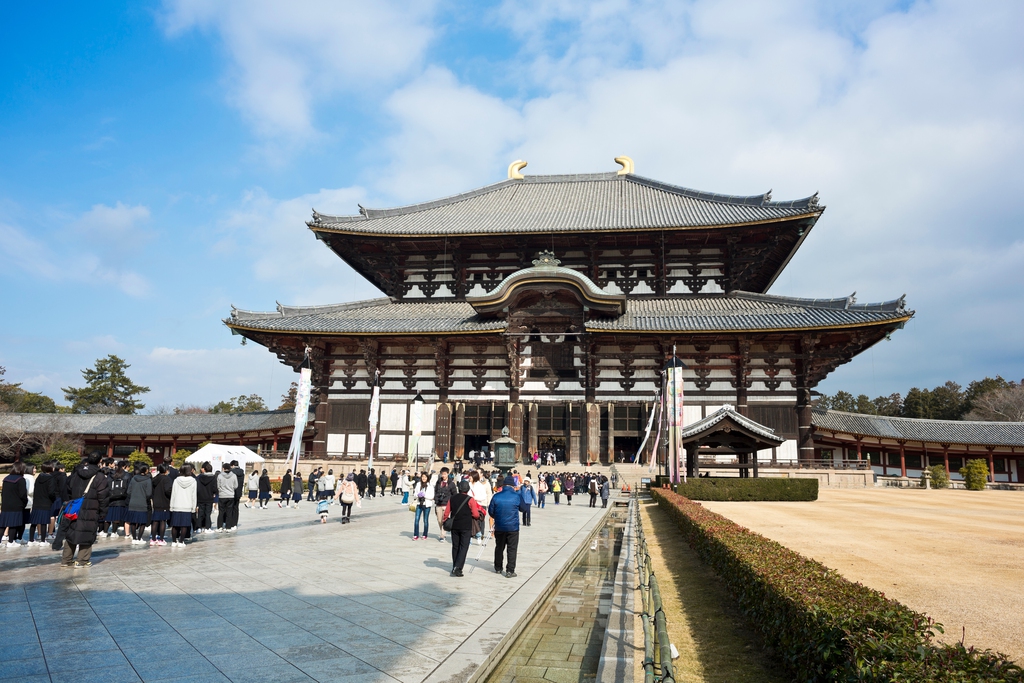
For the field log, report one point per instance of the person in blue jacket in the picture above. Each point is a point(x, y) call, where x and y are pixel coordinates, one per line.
point(529, 496)
point(504, 510)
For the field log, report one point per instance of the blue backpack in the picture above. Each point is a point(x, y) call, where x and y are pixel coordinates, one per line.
point(74, 506)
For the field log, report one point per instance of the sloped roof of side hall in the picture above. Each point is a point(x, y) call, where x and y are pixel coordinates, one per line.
point(915, 429)
point(733, 312)
point(569, 203)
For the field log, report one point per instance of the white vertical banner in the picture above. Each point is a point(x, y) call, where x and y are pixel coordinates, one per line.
point(647, 434)
point(301, 415)
point(415, 429)
point(674, 378)
point(374, 414)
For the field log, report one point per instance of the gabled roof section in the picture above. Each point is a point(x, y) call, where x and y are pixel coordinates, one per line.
point(574, 203)
point(726, 414)
point(545, 273)
point(960, 432)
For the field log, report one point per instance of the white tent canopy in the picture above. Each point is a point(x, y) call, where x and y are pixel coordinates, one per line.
point(217, 454)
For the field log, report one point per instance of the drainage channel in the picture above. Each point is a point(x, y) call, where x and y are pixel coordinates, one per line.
point(563, 641)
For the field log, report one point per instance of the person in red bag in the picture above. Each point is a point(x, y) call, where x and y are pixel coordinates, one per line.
point(86, 482)
point(463, 509)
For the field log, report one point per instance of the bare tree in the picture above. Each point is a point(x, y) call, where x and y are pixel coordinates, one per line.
point(1000, 405)
point(13, 438)
point(54, 430)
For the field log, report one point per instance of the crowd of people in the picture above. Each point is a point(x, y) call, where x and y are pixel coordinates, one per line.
point(114, 499)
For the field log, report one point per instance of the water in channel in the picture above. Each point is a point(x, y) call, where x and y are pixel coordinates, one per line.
point(563, 641)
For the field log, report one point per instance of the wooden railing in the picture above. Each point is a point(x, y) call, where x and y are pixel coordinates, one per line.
point(657, 648)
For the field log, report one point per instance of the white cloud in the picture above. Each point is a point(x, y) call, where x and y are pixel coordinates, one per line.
point(272, 235)
point(287, 57)
point(905, 118)
point(92, 251)
point(213, 375)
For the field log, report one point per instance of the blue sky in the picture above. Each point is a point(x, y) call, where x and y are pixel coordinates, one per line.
point(157, 160)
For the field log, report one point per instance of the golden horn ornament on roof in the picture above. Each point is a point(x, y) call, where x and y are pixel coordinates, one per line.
point(515, 169)
point(626, 163)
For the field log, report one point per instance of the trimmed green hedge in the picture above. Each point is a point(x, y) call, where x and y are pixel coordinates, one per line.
point(820, 625)
point(734, 488)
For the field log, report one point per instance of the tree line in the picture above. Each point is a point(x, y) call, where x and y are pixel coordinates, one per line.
point(989, 399)
point(108, 389)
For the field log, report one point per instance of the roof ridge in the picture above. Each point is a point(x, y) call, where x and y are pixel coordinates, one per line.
point(285, 311)
point(764, 199)
point(914, 419)
point(845, 303)
point(761, 200)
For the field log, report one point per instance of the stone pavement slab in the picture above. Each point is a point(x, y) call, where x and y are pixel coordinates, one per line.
point(284, 598)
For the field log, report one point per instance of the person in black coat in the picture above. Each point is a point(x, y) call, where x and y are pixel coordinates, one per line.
point(13, 503)
point(361, 482)
point(240, 476)
point(394, 481)
point(162, 484)
point(463, 509)
point(206, 491)
point(44, 493)
point(81, 533)
point(371, 483)
point(286, 490)
point(265, 493)
point(118, 480)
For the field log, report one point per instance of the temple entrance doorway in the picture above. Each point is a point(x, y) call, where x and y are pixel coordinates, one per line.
point(625, 447)
point(553, 445)
point(476, 442)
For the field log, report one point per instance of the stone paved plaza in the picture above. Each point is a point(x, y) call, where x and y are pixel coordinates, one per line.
point(283, 599)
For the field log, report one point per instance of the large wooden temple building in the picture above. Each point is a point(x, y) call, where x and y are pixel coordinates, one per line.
point(550, 304)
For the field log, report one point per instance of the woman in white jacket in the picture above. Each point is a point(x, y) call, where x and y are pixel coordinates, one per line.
point(423, 496)
point(480, 490)
point(403, 486)
point(183, 504)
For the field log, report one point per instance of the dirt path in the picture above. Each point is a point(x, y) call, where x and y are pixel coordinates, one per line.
point(956, 555)
point(715, 643)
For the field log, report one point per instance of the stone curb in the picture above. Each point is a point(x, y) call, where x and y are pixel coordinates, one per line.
point(476, 657)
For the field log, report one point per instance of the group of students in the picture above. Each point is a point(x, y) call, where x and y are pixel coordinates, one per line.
point(117, 499)
point(31, 501)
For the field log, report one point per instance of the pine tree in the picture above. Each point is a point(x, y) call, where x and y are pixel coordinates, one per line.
point(108, 389)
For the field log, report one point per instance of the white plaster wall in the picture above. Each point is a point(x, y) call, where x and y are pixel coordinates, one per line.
point(392, 416)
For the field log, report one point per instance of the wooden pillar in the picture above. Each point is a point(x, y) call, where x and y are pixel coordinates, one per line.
point(443, 430)
point(903, 460)
point(884, 457)
point(991, 465)
point(572, 451)
point(945, 457)
point(241, 439)
point(531, 437)
point(459, 445)
point(805, 436)
point(321, 417)
point(275, 440)
point(610, 454)
point(860, 456)
point(174, 446)
point(110, 447)
point(515, 426)
point(142, 444)
point(692, 464)
point(593, 450)
point(753, 455)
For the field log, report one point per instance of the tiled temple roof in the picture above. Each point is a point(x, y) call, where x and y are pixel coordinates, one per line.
point(912, 429)
point(736, 311)
point(150, 425)
point(727, 412)
point(561, 203)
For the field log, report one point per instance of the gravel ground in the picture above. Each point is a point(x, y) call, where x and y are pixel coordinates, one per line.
point(958, 556)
